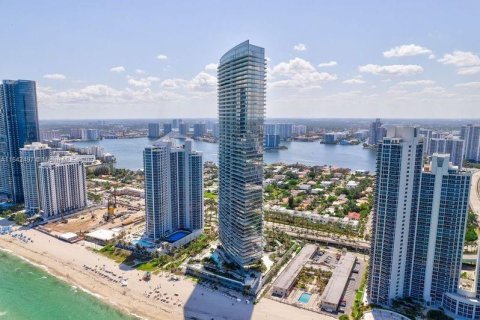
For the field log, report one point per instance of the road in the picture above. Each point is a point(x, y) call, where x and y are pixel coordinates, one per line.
point(475, 194)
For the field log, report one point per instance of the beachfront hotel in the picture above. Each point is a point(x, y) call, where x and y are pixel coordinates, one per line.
point(63, 187)
point(241, 109)
point(31, 156)
point(173, 189)
point(18, 127)
point(418, 224)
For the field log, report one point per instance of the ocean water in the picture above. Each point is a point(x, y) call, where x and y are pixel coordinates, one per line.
point(129, 153)
point(29, 293)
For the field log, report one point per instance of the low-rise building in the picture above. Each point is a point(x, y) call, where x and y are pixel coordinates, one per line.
point(333, 293)
point(284, 284)
point(351, 185)
point(305, 187)
point(102, 236)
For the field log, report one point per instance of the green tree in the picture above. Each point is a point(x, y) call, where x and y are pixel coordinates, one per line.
point(291, 203)
point(471, 235)
point(20, 218)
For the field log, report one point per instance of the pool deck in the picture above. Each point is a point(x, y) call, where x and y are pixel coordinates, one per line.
point(295, 296)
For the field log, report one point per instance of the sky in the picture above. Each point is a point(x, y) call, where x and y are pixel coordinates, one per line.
point(97, 59)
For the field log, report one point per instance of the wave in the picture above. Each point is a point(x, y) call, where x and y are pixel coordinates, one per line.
point(74, 287)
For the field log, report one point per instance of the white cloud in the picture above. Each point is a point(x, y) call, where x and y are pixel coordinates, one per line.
point(300, 47)
point(162, 57)
point(406, 50)
point(202, 83)
point(435, 91)
point(468, 70)
point(173, 83)
point(211, 67)
point(469, 85)
point(432, 56)
point(139, 71)
point(327, 64)
point(118, 69)
point(54, 76)
point(354, 81)
point(395, 69)
point(299, 73)
point(417, 83)
point(143, 82)
point(104, 94)
point(461, 59)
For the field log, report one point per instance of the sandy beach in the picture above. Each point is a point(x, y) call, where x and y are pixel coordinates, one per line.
point(182, 299)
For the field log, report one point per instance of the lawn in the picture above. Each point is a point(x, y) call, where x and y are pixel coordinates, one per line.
point(210, 195)
point(116, 254)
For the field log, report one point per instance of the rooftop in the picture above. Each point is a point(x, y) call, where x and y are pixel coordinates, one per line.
point(289, 275)
point(103, 234)
point(337, 283)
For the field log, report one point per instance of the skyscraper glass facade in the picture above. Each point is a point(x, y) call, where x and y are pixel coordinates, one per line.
point(241, 108)
point(18, 126)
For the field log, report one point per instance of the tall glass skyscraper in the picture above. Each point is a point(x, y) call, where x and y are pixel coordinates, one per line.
point(173, 189)
point(440, 222)
point(241, 109)
point(18, 126)
point(399, 165)
point(419, 222)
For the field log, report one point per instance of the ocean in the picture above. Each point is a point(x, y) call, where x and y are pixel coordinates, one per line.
point(29, 293)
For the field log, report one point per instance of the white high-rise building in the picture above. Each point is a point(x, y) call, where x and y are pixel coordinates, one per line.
point(63, 187)
point(31, 156)
point(452, 146)
point(173, 189)
point(399, 165)
point(299, 130)
point(471, 135)
point(437, 231)
point(418, 224)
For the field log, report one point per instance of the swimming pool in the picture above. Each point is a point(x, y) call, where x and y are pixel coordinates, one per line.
point(143, 243)
point(305, 297)
point(215, 257)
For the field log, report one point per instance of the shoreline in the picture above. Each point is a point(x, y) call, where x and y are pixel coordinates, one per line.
point(184, 298)
point(71, 283)
point(71, 275)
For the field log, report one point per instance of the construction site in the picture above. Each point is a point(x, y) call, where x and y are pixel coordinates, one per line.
point(119, 209)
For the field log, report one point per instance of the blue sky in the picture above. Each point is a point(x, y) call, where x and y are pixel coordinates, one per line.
point(156, 59)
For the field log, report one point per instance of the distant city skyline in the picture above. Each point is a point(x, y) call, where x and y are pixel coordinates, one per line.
point(158, 60)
